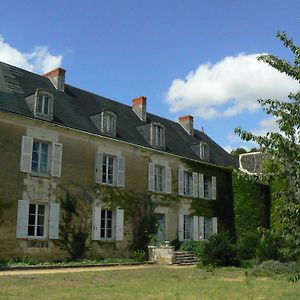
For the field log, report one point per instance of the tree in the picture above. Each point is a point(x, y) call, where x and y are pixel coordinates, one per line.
point(283, 147)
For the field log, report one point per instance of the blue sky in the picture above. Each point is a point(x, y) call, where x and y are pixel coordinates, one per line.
point(186, 57)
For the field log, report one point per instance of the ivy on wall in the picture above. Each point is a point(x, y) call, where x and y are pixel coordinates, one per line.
point(223, 206)
point(251, 204)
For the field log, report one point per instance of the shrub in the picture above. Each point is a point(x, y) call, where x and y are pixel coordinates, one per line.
point(219, 251)
point(247, 245)
point(176, 243)
point(268, 246)
point(276, 267)
point(139, 256)
point(194, 246)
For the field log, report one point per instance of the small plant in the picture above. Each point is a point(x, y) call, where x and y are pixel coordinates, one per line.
point(176, 243)
point(194, 246)
point(219, 251)
point(139, 256)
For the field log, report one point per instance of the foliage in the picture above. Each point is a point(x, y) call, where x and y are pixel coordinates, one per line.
point(219, 251)
point(284, 149)
point(75, 226)
point(139, 210)
point(176, 243)
point(277, 267)
point(268, 246)
point(251, 204)
point(194, 246)
point(139, 256)
point(246, 246)
point(236, 152)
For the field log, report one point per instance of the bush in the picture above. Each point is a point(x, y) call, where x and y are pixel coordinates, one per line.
point(247, 245)
point(194, 246)
point(139, 256)
point(176, 243)
point(219, 251)
point(276, 267)
point(268, 246)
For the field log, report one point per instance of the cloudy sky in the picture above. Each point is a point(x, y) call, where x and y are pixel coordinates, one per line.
point(192, 57)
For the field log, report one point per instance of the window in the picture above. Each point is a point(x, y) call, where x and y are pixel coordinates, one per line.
point(40, 157)
point(204, 151)
point(160, 178)
point(106, 224)
point(208, 228)
point(43, 105)
point(108, 169)
point(158, 136)
point(187, 227)
point(207, 187)
point(108, 122)
point(36, 157)
point(188, 183)
point(36, 220)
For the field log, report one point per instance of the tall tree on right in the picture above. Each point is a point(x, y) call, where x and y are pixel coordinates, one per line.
point(283, 170)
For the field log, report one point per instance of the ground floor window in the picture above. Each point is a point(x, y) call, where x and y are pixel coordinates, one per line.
point(161, 230)
point(187, 227)
point(36, 220)
point(106, 224)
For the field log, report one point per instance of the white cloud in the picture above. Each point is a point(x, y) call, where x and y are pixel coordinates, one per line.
point(228, 87)
point(266, 125)
point(38, 60)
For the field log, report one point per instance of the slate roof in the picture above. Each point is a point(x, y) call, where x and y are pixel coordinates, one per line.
point(73, 108)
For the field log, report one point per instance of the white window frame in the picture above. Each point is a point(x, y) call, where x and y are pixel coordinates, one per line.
point(187, 227)
point(50, 217)
point(159, 174)
point(204, 151)
point(106, 227)
point(207, 186)
point(108, 122)
point(40, 97)
point(40, 154)
point(187, 183)
point(157, 135)
point(54, 161)
point(109, 162)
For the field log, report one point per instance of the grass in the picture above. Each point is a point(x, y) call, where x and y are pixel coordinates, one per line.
point(149, 283)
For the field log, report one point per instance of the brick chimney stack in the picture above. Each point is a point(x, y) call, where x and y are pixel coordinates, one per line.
point(187, 123)
point(57, 77)
point(139, 107)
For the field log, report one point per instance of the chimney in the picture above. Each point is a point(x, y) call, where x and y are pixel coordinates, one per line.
point(139, 107)
point(57, 77)
point(187, 123)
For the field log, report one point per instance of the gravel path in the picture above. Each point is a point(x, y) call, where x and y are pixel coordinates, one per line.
point(82, 269)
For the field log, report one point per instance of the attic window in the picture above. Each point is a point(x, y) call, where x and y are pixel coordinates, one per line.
point(108, 122)
point(158, 135)
point(43, 105)
point(204, 151)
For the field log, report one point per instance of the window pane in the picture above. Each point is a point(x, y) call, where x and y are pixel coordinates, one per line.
point(32, 208)
point(109, 214)
point(108, 234)
point(40, 231)
point(46, 105)
point(39, 106)
point(30, 230)
point(102, 233)
point(31, 220)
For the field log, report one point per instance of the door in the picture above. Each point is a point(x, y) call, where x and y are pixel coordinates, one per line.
point(161, 232)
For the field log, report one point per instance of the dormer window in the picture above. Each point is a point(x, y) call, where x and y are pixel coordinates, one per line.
point(108, 122)
point(204, 151)
point(158, 135)
point(43, 105)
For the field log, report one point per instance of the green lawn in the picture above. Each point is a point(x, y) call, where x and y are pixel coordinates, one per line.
point(149, 283)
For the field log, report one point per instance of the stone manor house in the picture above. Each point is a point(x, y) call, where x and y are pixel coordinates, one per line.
point(54, 136)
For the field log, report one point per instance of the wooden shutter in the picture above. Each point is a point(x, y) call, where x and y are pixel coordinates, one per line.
point(180, 227)
point(195, 185)
point(168, 180)
point(54, 221)
point(151, 177)
point(96, 223)
point(56, 159)
point(180, 181)
point(22, 218)
point(201, 228)
point(119, 224)
point(26, 154)
point(195, 228)
point(121, 171)
point(214, 225)
point(98, 167)
point(213, 188)
point(201, 186)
